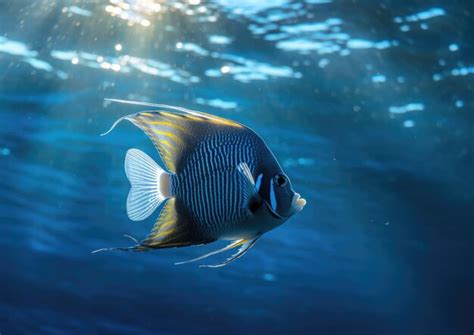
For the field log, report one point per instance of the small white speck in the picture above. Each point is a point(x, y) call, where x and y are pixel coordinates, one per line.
point(411, 107)
point(5, 151)
point(387, 223)
point(437, 77)
point(405, 28)
point(323, 62)
point(379, 78)
point(115, 67)
point(409, 123)
point(453, 47)
point(75, 60)
point(345, 52)
point(118, 47)
point(225, 69)
point(219, 39)
point(459, 103)
point(269, 277)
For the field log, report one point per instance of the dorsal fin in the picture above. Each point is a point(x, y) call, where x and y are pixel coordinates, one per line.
point(176, 133)
point(180, 110)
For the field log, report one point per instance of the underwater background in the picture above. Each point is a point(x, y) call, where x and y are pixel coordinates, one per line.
point(368, 106)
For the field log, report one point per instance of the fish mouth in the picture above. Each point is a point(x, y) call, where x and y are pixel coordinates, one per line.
point(298, 202)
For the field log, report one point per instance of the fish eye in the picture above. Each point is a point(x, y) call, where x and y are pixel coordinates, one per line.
point(280, 179)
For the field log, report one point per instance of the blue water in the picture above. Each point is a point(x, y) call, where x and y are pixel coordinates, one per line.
point(367, 105)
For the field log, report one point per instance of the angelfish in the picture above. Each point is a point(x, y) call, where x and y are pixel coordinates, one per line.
point(221, 182)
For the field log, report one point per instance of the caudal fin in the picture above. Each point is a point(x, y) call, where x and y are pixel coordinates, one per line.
point(150, 185)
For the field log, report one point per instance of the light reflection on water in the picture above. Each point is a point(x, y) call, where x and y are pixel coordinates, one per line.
point(126, 64)
point(271, 21)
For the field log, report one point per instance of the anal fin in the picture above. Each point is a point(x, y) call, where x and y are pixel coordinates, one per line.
point(174, 228)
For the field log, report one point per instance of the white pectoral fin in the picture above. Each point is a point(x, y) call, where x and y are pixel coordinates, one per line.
point(246, 184)
point(244, 244)
point(244, 169)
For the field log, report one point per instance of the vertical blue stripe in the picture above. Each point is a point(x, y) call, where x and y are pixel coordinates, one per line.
point(273, 202)
point(259, 181)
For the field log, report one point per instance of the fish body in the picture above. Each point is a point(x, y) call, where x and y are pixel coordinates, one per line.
point(221, 182)
point(208, 183)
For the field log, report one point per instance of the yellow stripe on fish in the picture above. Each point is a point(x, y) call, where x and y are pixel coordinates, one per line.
point(168, 134)
point(195, 118)
point(166, 124)
point(171, 115)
